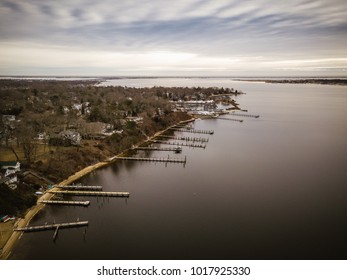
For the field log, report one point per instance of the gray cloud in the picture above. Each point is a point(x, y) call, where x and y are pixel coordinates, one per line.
point(224, 28)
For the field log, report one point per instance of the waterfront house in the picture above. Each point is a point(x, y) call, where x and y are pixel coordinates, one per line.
point(13, 166)
point(9, 181)
point(73, 136)
point(65, 138)
point(138, 120)
point(12, 178)
point(8, 118)
point(42, 137)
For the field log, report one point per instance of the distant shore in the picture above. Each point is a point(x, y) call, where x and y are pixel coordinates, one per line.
point(30, 214)
point(319, 81)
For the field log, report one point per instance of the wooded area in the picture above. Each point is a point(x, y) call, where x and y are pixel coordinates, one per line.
point(55, 128)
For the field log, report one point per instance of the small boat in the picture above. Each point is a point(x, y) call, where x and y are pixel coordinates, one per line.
point(8, 218)
point(178, 150)
point(3, 218)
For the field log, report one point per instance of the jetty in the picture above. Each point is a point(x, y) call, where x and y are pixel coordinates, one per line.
point(91, 193)
point(245, 115)
point(184, 138)
point(77, 187)
point(66, 202)
point(53, 226)
point(166, 160)
point(193, 130)
point(180, 144)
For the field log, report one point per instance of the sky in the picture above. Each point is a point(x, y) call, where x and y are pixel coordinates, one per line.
point(173, 38)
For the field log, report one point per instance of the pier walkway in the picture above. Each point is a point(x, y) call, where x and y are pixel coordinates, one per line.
point(183, 126)
point(52, 226)
point(245, 115)
point(227, 119)
point(91, 193)
point(167, 149)
point(199, 131)
point(180, 144)
point(166, 160)
point(66, 202)
point(184, 138)
point(77, 187)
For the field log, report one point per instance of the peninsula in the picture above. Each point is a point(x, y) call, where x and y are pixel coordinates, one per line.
point(53, 130)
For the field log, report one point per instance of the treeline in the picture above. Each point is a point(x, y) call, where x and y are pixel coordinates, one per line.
point(310, 81)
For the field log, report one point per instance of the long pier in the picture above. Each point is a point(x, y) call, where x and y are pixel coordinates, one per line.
point(184, 138)
point(183, 126)
point(227, 119)
point(180, 144)
point(245, 115)
point(193, 130)
point(91, 193)
point(66, 202)
point(166, 149)
point(166, 160)
point(53, 226)
point(77, 187)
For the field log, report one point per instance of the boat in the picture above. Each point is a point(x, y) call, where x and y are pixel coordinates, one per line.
point(178, 149)
point(3, 218)
point(8, 218)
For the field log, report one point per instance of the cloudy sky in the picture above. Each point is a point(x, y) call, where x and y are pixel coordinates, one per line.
point(181, 37)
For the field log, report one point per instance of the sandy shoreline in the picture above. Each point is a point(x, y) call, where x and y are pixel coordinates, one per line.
point(23, 222)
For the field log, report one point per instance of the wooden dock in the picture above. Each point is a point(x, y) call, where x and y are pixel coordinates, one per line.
point(166, 149)
point(193, 130)
point(53, 226)
point(245, 115)
point(183, 126)
point(66, 202)
point(91, 193)
point(166, 160)
point(77, 187)
point(203, 146)
point(184, 138)
point(227, 119)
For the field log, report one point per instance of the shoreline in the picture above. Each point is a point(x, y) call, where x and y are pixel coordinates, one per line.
point(313, 81)
point(31, 213)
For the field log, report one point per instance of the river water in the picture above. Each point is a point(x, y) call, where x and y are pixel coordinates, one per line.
point(268, 188)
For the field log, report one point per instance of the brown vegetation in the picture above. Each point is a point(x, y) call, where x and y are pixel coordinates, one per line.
point(44, 109)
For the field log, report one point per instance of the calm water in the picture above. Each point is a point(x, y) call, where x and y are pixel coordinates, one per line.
point(267, 188)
